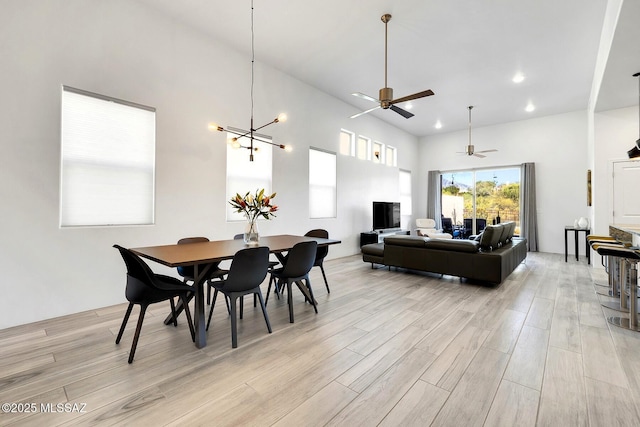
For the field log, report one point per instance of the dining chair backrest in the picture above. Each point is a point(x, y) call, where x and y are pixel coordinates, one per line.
point(140, 279)
point(187, 240)
point(187, 271)
point(238, 236)
point(321, 251)
point(300, 259)
point(248, 269)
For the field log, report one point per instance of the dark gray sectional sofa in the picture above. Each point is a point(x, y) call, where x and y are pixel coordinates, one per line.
point(489, 259)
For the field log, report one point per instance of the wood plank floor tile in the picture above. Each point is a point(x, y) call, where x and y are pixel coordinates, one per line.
point(563, 400)
point(610, 405)
point(418, 407)
point(470, 401)
point(526, 366)
point(446, 370)
point(514, 405)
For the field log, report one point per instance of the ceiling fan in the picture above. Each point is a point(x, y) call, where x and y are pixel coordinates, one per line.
point(386, 100)
point(469, 149)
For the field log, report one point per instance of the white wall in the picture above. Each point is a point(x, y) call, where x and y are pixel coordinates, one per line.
point(616, 132)
point(119, 48)
point(556, 144)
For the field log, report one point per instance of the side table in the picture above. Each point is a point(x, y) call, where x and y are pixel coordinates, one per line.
point(576, 231)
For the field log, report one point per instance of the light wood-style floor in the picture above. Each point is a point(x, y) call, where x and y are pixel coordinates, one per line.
point(390, 348)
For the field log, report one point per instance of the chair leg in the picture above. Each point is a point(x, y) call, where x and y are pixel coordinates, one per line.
point(325, 279)
point(208, 292)
point(313, 300)
point(258, 294)
point(143, 309)
point(241, 306)
point(187, 313)
point(290, 301)
point(173, 312)
point(124, 322)
point(271, 279)
point(234, 321)
point(213, 304)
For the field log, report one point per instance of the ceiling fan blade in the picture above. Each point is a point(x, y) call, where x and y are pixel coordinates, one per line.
point(403, 113)
point(364, 112)
point(487, 151)
point(412, 97)
point(363, 96)
point(478, 155)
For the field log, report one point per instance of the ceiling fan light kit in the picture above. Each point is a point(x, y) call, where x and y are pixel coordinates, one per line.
point(385, 95)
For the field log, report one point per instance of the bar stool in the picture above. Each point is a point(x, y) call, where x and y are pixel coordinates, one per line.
point(629, 275)
point(611, 264)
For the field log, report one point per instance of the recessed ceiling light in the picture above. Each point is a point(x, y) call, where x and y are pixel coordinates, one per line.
point(518, 78)
point(530, 107)
point(438, 124)
point(408, 106)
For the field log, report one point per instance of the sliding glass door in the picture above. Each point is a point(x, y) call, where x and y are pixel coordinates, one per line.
point(474, 198)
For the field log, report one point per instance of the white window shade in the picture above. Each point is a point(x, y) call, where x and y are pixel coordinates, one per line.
point(244, 175)
point(322, 184)
point(107, 161)
point(405, 193)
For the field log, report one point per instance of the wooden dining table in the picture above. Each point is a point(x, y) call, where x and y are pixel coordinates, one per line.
point(203, 255)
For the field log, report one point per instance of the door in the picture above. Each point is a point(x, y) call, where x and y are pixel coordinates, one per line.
point(626, 200)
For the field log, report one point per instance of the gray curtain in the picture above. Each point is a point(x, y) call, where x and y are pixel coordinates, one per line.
point(434, 200)
point(528, 211)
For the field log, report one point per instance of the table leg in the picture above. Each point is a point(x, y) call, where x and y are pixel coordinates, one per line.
point(586, 246)
point(565, 245)
point(199, 317)
point(575, 235)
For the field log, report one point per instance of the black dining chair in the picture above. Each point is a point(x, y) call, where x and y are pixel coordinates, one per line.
point(272, 265)
point(321, 253)
point(145, 288)
point(248, 269)
point(299, 262)
point(216, 273)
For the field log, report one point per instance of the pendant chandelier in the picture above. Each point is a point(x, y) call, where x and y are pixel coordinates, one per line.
point(251, 134)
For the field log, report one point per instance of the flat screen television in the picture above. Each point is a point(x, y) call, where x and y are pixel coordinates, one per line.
point(386, 215)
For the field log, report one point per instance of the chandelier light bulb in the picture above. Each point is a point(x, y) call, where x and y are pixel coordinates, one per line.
point(282, 117)
point(288, 148)
point(214, 127)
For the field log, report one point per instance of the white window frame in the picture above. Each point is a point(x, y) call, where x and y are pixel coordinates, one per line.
point(404, 180)
point(107, 161)
point(367, 148)
point(378, 147)
point(351, 149)
point(391, 156)
point(323, 191)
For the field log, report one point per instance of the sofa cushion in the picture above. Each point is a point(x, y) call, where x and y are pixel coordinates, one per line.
point(504, 236)
point(470, 246)
point(403, 240)
point(490, 237)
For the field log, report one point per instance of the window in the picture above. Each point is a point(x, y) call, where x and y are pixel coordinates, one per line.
point(244, 175)
point(347, 143)
point(364, 148)
point(107, 161)
point(390, 156)
point(484, 195)
point(405, 193)
point(378, 152)
point(322, 184)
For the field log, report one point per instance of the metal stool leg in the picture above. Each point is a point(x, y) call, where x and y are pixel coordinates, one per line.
point(631, 322)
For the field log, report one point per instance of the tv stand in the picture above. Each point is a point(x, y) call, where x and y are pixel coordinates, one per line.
point(377, 236)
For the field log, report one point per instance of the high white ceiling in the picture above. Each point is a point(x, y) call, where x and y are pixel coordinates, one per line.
point(466, 51)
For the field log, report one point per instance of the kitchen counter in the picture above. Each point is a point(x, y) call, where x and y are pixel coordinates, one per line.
point(627, 233)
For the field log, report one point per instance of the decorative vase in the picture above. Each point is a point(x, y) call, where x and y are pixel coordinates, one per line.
point(583, 222)
point(251, 234)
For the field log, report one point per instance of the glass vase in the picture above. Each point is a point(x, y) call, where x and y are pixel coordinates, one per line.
point(251, 234)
